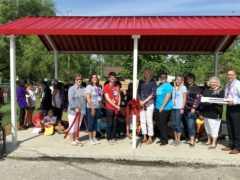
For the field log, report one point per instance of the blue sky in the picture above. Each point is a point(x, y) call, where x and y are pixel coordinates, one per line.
point(147, 7)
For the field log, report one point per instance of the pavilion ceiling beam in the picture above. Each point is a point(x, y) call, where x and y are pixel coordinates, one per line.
point(140, 52)
point(55, 50)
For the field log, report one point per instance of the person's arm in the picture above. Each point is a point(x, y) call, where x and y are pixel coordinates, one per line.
point(236, 98)
point(196, 102)
point(108, 99)
point(29, 100)
point(168, 96)
point(119, 99)
point(53, 96)
point(88, 96)
point(184, 102)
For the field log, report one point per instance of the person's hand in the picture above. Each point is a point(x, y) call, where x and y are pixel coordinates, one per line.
point(77, 110)
point(230, 103)
point(161, 109)
point(117, 107)
point(182, 111)
point(193, 111)
point(93, 112)
point(142, 103)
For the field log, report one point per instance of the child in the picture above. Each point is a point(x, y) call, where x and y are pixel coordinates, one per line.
point(50, 119)
point(38, 119)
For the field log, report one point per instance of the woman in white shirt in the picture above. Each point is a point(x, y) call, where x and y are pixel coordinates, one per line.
point(31, 101)
point(94, 102)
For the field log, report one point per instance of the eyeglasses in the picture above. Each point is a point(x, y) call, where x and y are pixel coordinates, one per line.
point(78, 79)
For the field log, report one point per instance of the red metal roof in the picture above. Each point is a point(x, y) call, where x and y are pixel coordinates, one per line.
point(159, 34)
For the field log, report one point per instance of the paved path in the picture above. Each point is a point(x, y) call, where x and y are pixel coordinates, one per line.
point(40, 146)
point(15, 169)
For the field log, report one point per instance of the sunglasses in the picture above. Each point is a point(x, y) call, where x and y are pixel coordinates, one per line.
point(163, 77)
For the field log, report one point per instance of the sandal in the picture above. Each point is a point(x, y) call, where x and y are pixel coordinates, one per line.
point(78, 142)
point(150, 141)
point(74, 143)
point(129, 136)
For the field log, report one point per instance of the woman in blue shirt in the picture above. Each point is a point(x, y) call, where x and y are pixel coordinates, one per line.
point(163, 106)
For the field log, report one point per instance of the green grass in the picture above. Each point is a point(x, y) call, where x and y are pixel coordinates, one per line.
point(6, 110)
point(224, 113)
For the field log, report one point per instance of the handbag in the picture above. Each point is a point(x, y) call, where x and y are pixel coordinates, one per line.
point(48, 131)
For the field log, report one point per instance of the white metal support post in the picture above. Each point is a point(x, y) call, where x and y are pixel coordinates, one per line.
point(13, 89)
point(55, 55)
point(135, 66)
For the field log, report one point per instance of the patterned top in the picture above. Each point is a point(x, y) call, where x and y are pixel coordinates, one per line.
point(193, 97)
point(145, 89)
point(76, 99)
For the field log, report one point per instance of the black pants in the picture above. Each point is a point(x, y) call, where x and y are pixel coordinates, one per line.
point(22, 116)
point(111, 124)
point(163, 118)
point(58, 113)
point(233, 126)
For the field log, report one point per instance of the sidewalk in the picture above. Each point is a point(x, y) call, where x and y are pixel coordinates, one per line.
point(40, 146)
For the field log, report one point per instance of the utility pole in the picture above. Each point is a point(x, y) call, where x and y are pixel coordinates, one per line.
point(69, 12)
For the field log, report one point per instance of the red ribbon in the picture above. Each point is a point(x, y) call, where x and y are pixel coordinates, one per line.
point(133, 108)
point(77, 117)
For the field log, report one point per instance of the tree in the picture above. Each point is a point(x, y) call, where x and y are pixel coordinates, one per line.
point(14, 9)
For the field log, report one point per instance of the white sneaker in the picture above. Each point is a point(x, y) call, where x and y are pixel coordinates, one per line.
point(110, 142)
point(96, 141)
point(114, 141)
point(91, 142)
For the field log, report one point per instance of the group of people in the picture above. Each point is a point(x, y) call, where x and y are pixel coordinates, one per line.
point(182, 103)
point(161, 101)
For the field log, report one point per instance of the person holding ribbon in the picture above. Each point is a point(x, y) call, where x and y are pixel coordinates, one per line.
point(113, 99)
point(232, 92)
point(212, 112)
point(146, 94)
point(94, 102)
point(76, 108)
point(179, 97)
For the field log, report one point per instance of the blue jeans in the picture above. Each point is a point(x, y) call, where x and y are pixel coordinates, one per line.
point(191, 120)
point(92, 121)
point(177, 121)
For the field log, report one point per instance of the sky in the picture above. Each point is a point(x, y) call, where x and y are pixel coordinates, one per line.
point(147, 7)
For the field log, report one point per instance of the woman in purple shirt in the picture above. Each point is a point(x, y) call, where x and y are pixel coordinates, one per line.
point(22, 103)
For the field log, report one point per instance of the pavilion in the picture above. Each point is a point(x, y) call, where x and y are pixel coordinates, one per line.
point(210, 35)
